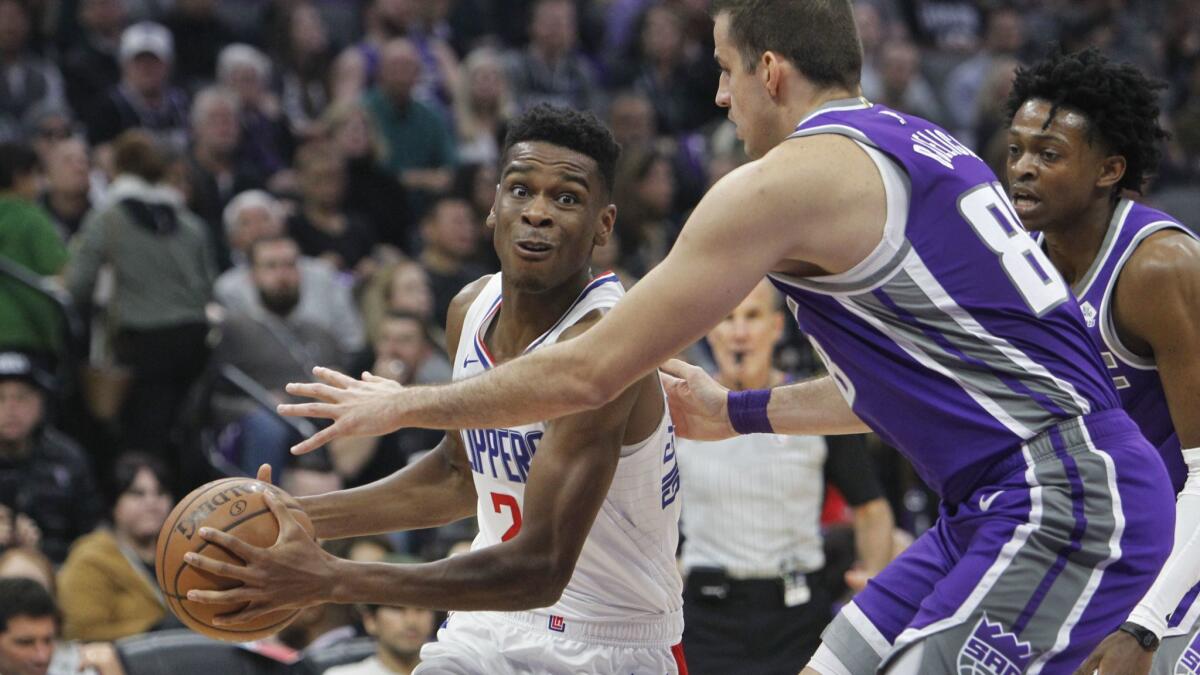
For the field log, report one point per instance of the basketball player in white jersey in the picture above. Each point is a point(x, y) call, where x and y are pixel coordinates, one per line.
point(574, 568)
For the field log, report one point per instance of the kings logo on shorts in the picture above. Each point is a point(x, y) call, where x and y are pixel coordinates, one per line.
point(990, 650)
point(1189, 661)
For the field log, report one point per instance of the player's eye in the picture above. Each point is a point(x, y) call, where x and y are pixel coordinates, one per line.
point(1013, 151)
point(1049, 155)
point(568, 199)
point(519, 191)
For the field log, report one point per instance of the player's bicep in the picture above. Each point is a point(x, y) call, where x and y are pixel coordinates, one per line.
point(1158, 301)
point(568, 481)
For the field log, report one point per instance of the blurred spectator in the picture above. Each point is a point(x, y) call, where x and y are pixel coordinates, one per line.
point(200, 34)
point(903, 86)
point(991, 117)
point(272, 344)
point(943, 25)
point(18, 532)
point(43, 474)
point(477, 183)
point(631, 117)
point(90, 66)
point(1003, 37)
point(387, 20)
point(216, 171)
point(420, 146)
point(27, 562)
point(644, 191)
point(28, 319)
point(375, 192)
point(164, 268)
point(322, 225)
point(681, 93)
point(400, 632)
point(28, 626)
point(266, 142)
point(549, 70)
point(324, 300)
point(302, 59)
point(144, 97)
point(448, 231)
point(405, 352)
point(25, 79)
point(107, 584)
point(870, 23)
point(482, 107)
point(402, 286)
point(47, 123)
point(68, 185)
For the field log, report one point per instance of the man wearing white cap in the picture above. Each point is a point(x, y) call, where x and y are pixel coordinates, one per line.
point(144, 96)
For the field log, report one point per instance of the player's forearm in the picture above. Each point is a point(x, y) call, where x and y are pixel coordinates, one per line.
point(873, 524)
point(814, 407)
point(427, 494)
point(545, 384)
point(492, 578)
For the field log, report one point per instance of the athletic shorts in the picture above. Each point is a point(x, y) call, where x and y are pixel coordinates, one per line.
point(1179, 652)
point(1027, 574)
point(511, 643)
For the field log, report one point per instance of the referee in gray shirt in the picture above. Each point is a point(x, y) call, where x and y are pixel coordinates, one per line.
point(754, 602)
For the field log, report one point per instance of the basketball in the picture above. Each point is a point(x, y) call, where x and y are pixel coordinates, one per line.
point(235, 506)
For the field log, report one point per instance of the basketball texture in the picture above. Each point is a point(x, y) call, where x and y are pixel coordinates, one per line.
point(236, 506)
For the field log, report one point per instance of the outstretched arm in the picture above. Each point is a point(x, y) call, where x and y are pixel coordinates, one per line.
point(568, 480)
point(785, 206)
point(1157, 308)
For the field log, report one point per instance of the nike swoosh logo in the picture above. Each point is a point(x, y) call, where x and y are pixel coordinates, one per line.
point(985, 503)
point(469, 362)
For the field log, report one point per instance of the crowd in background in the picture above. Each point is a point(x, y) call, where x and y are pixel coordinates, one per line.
point(202, 199)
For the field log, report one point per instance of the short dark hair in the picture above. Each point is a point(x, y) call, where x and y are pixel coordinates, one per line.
point(1119, 102)
point(819, 37)
point(16, 160)
point(139, 153)
point(126, 469)
point(572, 129)
point(24, 597)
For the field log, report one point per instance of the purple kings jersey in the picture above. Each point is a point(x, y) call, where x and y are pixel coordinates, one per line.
point(1135, 377)
point(955, 339)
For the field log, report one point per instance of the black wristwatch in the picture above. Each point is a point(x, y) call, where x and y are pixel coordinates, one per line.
point(1145, 638)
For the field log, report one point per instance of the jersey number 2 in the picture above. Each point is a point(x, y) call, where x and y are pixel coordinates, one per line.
point(993, 219)
point(501, 500)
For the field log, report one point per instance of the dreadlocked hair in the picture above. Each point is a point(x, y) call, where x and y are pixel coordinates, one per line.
point(1119, 102)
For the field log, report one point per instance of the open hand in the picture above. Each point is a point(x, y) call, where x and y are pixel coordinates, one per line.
point(698, 407)
point(1118, 654)
point(357, 407)
point(293, 573)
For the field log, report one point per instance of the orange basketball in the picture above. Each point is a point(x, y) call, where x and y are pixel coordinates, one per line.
point(236, 506)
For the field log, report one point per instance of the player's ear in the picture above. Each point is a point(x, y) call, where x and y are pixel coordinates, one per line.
point(770, 69)
point(1112, 170)
point(608, 218)
point(490, 221)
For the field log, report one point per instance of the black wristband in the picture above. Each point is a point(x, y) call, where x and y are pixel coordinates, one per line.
point(1146, 638)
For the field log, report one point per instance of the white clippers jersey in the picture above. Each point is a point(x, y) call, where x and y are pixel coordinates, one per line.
point(626, 573)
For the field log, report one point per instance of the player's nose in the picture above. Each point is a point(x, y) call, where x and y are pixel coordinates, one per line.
point(537, 212)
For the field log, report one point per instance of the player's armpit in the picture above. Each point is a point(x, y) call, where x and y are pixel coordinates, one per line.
point(1156, 307)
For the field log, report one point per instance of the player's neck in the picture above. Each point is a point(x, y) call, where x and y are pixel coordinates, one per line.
point(1073, 247)
point(525, 315)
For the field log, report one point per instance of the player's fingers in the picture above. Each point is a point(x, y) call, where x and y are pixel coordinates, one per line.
point(677, 368)
point(264, 473)
point(245, 615)
point(217, 567)
point(317, 440)
point(287, 522)
point(333, 377)
point(234, 545)
point(239, 594)
point(368, 376)
point(1089, 667)
point(322, 410)
point(321, 392)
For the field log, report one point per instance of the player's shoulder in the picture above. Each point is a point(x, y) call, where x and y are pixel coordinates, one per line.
point(1162, 262)
point(457, 312)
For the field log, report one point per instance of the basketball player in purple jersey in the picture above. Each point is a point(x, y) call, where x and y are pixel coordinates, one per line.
point(1084, 130)
point(944, 328)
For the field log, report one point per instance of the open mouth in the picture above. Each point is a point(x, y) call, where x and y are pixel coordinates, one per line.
point(1025, 201)
point(534, 250)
